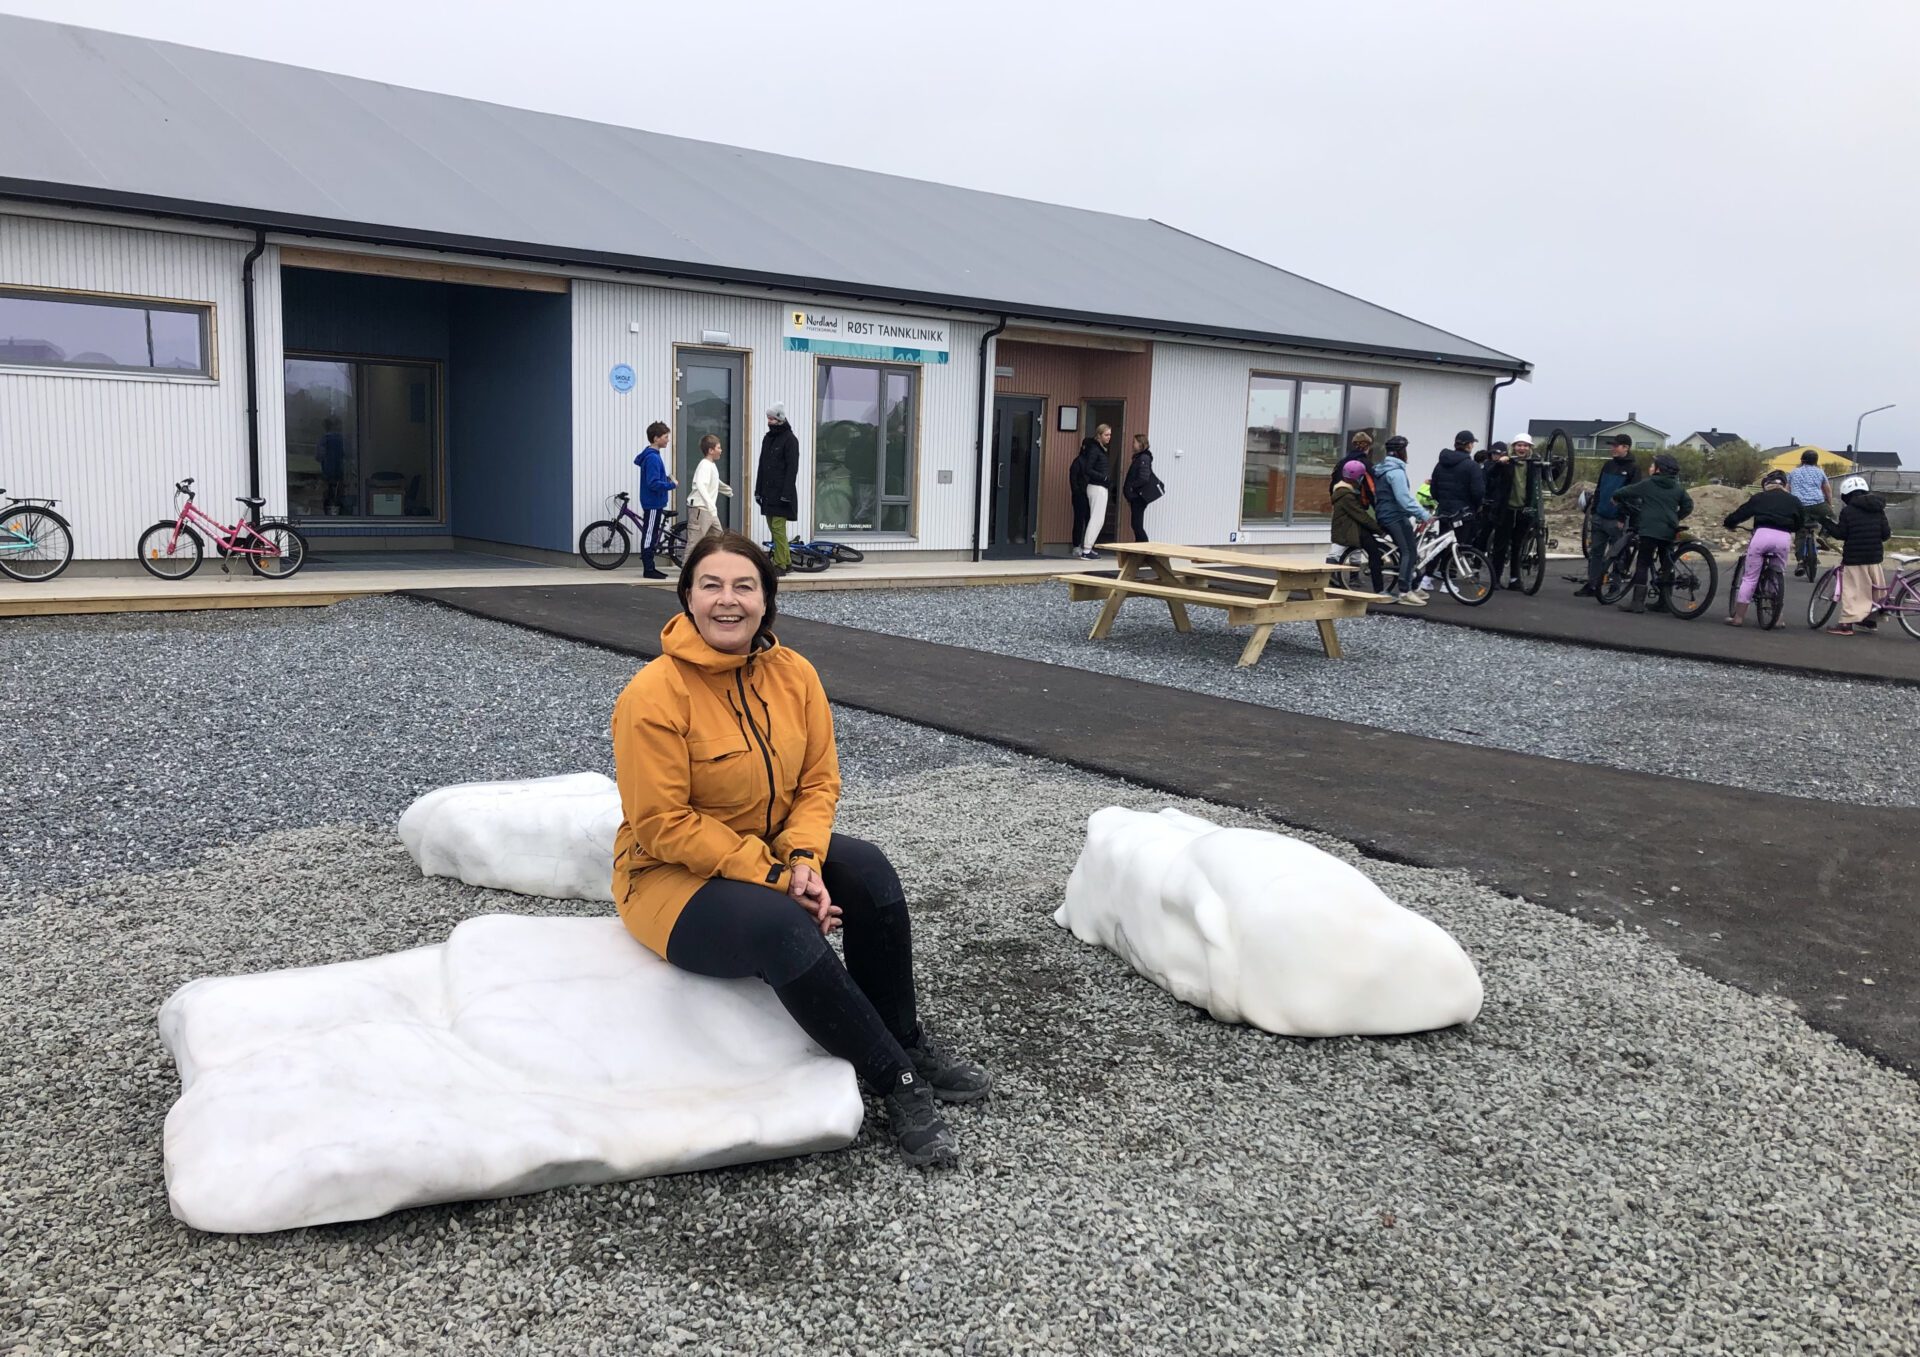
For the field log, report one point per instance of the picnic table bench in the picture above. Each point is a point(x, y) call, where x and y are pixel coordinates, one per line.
point(1253, 590)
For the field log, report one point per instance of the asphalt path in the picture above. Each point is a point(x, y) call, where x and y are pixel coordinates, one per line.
point(1773, 894)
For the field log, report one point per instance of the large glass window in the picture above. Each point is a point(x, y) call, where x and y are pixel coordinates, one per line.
point(1296, 431)
point(103, 334)
point(863, 443)
point(363, 439)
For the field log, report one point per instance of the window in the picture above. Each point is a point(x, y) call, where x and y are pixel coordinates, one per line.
point(864, 435)
point(1296, 430)
point(103, 334)
point(363, 439)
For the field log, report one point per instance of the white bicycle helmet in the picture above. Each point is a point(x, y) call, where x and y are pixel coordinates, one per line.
point(1851, 484)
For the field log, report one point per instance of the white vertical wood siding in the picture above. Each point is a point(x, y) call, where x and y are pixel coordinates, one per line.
point(609, 426)
point(1200, 414)
point(110, 447)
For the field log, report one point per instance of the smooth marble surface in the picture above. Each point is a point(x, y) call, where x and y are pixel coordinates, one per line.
point(1259, 928)
point(521, 1054)
point(550, 837)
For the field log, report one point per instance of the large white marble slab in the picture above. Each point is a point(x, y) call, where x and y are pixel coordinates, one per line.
point(1259, 928)
point(519, 1055)
point(550, 836)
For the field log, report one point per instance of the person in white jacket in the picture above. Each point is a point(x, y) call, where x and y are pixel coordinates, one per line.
point(703, 501)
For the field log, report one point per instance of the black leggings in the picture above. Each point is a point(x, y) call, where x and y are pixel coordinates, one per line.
point(862, 1011)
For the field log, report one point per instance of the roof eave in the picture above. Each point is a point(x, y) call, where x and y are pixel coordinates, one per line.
point(67, 195)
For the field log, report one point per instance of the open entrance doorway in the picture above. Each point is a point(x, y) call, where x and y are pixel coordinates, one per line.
point(1019, 431)
point(710, 397)
point(1112, 413)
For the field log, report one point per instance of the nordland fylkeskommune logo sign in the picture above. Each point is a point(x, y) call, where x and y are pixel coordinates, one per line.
point(853, 334)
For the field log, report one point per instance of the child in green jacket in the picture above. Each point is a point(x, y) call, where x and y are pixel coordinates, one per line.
point(1353, 522)
point(1658, 504)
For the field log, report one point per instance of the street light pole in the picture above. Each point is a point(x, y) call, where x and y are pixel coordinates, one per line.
point(1856, 423)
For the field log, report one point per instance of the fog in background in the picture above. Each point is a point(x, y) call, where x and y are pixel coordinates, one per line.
point(1704, 211)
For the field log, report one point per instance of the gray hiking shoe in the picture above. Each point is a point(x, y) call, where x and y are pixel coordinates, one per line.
point(952, 1079)
point(913, 1120)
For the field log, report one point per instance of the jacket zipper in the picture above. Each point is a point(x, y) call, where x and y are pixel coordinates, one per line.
point(766, 755)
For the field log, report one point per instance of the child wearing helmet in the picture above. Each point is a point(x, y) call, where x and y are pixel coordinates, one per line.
point(1659, 504)
point(1353, 522)
point(1862, 531)
point(1776, 517)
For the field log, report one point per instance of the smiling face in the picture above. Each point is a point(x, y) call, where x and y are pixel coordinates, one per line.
point(726, 601)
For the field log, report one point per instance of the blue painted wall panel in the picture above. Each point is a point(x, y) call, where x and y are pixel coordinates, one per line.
point(511, 417)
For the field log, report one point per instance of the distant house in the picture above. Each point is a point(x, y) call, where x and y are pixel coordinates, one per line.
point(1590, 435)
point(1787, 457)
point(1873, 461)
point(1707, 441)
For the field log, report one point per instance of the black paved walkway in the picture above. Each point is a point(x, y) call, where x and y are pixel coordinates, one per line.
point(1777, 895)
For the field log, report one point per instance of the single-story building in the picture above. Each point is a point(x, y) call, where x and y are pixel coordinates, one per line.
point(1596, 435)
point(409, 319)
point(1708, 441)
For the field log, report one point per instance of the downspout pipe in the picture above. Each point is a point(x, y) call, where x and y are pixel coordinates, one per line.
point(980, 436)
point(253, 370)
point(1493, 399)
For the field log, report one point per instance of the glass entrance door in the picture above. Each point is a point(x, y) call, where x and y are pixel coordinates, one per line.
point(710, 393)
point(1019, 426)
point(363, 439)
point(1113, 414)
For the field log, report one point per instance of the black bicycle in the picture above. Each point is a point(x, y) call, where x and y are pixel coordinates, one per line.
point(1769, 593)
point(606, 544)
point(1686, 591)
point(35, 543)
point(1555, 462)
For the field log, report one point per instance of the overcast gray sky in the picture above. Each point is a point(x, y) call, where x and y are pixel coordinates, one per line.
point(1705, 211)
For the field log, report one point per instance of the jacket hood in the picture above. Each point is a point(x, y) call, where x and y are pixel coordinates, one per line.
point(1451, 457)
point(1866, 499)
point(1664, 478)
point(683, 641)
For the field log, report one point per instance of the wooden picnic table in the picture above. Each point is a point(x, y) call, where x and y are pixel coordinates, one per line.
point(1254, 590)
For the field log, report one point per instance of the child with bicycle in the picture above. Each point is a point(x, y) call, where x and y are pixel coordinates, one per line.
point(1863, 531)
point(1401, 515)
point(1776, 515)
point(1659, 504)
point(1353, 522)
point(655, 486)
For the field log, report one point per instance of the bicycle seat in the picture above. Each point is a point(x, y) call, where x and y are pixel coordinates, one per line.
point(251, 501)
point(1899, 556)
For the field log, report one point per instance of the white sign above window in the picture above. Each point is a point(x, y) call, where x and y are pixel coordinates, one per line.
point(854, 334)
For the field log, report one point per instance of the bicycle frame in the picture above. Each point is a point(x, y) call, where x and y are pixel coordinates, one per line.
point(232, 541)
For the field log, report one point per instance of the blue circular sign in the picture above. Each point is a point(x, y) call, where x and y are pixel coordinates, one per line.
point(621, 377)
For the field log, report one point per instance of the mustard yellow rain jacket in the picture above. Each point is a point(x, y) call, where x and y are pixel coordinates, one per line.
point(727, 768)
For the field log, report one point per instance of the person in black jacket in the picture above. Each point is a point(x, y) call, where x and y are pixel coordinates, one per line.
point(1863, 531)
point(1090, 480)
point(1507, 508)
point(1458, 483)
point(1776, 517)
point(776, 482)
point(1141, 487)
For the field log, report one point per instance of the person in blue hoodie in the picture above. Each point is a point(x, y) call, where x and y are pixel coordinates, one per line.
point(1619, 471)
point(1400, 514)
point(655, 486)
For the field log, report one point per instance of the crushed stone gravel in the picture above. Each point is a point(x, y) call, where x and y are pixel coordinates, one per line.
point(1824, 739)
point(1620, 1155)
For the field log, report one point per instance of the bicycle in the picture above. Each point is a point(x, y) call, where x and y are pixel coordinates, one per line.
point(1687, 590)
point(1549, 471)
point(1463, 571)
point(839, 551)
point(35, 543)
point(1899, 596)
point(1806, 546)
point(606, 543)
point(1769, 592)
point(807, 557)
point(171, 549)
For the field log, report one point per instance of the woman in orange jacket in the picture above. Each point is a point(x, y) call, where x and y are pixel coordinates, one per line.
point(726, 863)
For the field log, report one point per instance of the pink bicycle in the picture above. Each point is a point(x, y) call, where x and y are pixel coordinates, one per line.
point(1899, 597)
point(173, 550)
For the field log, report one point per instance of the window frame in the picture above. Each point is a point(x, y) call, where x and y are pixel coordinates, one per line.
point(353, 523)
point(911, 499)
point(1346, 385)
point(205, 311)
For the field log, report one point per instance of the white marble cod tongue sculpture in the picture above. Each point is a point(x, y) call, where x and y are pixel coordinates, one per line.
point(548, 836)
point(1259, 928)
point(520, 1054)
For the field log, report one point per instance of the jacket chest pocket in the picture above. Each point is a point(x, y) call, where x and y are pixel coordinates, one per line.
point(725, 775)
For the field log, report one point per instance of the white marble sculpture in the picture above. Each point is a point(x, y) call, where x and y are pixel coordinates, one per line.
point(521, 1054)
point(1259, 928)
point(548, 836)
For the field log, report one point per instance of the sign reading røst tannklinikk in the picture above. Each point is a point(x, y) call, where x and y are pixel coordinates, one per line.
point(853, 334)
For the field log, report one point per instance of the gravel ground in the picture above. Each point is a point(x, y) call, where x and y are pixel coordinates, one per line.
point(1621, 1155)
point(1826, 739)
point(154, 736)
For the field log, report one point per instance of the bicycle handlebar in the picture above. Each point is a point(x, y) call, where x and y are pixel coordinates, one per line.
point(184, 487)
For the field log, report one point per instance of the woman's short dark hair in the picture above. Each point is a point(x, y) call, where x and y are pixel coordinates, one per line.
point(1808, 457)
point(734, 544)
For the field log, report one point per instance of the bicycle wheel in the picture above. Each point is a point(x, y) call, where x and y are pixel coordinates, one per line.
point(1558, 450)
point(290, 545)
point(1826, 596)
point(1769, 596)
point(673, 543)
point(35, 544)
point(847, 555)
point(1695, 578)
point(605, 545)
point(167, 556)
point(1533, 562)
point(1468, 575)
point(1903, 601)
point(1617, 579)
point(806, 560)
point(1586, 534)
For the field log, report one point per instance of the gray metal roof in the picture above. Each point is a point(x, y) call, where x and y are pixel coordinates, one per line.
point(109, 120)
